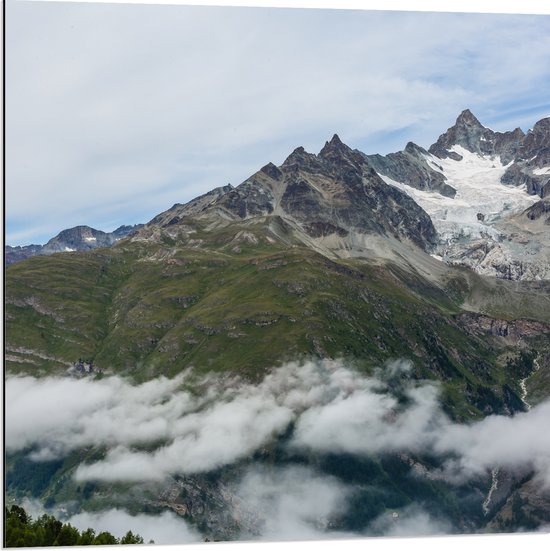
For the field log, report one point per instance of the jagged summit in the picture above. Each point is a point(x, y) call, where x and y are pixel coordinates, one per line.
point(467, 118)
point(470, 134)
point(410, 167)
point(299, 156)
point(334, 193)
point(335, 145)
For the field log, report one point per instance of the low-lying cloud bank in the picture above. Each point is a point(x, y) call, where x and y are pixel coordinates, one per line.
point(333, 409)
point(166, 528)
point(290, 503)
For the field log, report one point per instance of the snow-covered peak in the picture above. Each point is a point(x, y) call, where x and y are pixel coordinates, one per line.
point(480, 200)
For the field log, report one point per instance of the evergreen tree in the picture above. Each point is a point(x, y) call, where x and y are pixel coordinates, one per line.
point(22, 531)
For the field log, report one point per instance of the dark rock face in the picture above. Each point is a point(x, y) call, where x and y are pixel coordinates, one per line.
point(514, 330)
point(539, 210)
point(527, 152)
point(272, 171)
point(537, 144)
point(334, 192)
point(302, 199)
point(519, 174)
point(249, 199)
point(195, 206)
point(469, 133)
point(534, 154)
point(410, 167)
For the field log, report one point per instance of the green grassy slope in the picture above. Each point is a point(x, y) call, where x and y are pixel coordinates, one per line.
point(145, 309)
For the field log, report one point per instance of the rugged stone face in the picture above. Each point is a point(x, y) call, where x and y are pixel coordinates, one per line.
point(193, 207)
point(537, 144)
point(410, 167)
point(469, 133)
point(518, 174)
point(512, 330)
point(334, 192)
point(531, 161)
point(539, 210)
point(251, 198)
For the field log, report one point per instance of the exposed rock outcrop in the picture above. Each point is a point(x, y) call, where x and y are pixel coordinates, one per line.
point(469, 133)
point(335, 192)
point(411, 168)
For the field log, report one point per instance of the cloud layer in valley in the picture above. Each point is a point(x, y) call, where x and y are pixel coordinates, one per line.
point(158, 429)
point(332, 409)
point(165, 528)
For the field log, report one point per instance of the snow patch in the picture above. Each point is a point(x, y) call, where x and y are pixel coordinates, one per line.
point(90, 239)
point(480, 199)
point(69, 250)
point(541, 171)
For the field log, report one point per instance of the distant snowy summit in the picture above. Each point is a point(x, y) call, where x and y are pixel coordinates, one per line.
point(79, 238)
point(479, 203)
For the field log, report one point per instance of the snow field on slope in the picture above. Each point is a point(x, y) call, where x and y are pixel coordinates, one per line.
point(476, 179)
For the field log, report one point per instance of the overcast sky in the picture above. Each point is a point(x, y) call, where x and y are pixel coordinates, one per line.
point(116, 112)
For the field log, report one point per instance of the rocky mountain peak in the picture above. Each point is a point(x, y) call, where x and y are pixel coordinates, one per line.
point(272, 171)
point(470, 134)
point(467, 132)
point(468, 119)
point(542, 126)
point(299, 157)
point(413, 149)
point(537, 143)
point(334, 148)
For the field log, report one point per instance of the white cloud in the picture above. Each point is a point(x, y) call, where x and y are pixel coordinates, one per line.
point(166, 528)
point(292, 503)
point(369, 422)
point(515, 442)
point(333, 408)
point(409, 522)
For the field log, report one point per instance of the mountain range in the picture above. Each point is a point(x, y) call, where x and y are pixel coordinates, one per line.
point(438, 258)
point(79, 238)
point(494, 229)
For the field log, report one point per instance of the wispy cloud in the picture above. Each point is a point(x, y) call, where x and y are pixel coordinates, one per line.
point(164, 528)
point(99, 113)
point(158, 429)
point(332, 408)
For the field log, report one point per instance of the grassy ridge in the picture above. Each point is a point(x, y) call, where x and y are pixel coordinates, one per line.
point(145, 309)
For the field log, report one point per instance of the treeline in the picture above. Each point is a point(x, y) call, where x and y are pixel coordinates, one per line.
point(22, 531)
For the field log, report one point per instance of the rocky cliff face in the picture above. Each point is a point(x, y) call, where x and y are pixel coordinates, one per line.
point(336, 192)
point(469, 133)
point(531, 166)
point(540, 210)
point(410, 167)
point(527, 154)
